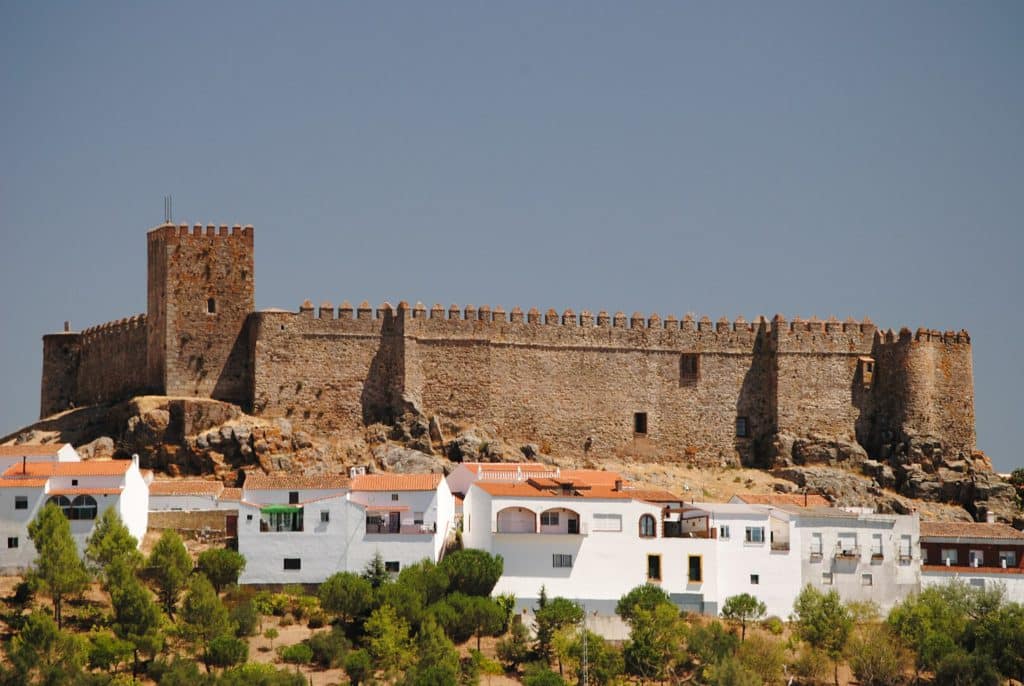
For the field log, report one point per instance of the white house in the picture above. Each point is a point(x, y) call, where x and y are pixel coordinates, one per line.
point(467, 473)
point(590, 543)
point(982, 555)
point(301, 529)
point(188, 495)
point(82, 489)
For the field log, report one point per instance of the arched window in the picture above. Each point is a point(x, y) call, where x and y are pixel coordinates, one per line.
point(63, 503)
point(648, 527)
point(83, 507)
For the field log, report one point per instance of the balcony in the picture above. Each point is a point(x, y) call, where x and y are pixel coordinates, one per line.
point(816, 556)
point(848, 553)
point(675, 530)
point(780, 546)
point(386, 529)
point(877, 556)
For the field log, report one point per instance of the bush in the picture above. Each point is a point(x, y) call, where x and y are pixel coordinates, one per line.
point(316, 620)
point(286, 620)
point(226, 651)
point(515, 649)
point(297, 654)
point(811, 665)
point(540, 675)
point(358, 666)
point(773, 625)
point(961, 669)
point(329, 648)
point(879, 659)
point(246, 618)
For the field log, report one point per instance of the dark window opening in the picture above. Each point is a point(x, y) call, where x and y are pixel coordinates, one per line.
point(74, 482)
point(12, 541)
point(293, 497)
point(755, 579)
point(640, 423)
point(695, 573)
point(654, 567)
point(325, 515)
point(83, 507)
point(392, 567)
point(211, 306)
point(394, 496)
point(21, 502)
point(292, 563)
point(558, 560)
point(689, 368)
point(742, 427)
point(648, 527)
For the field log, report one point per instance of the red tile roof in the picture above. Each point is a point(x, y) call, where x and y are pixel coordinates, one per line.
point(86, 491)
point(813, 499)
point(232, 494)
point(84, 468)
point(594, 477)
point(396, 482)
point(258, 481)
point(478, 467)
point(522, 489)
point(27, 482)
point(30, 449)
point(970, 530)
point(185, 487)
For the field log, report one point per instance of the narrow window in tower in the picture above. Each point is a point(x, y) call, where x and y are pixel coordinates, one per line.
point(689, 369)
point(640, 423)
point(211, 306)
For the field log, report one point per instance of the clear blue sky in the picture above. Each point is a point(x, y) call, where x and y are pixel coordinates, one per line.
point(818, 158)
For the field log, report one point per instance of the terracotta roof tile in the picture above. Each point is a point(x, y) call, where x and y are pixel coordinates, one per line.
point(84, 468)
point(28, 482)
point(257, 481)
point(594, 477)
point(522, 489)
point(230, 494)
point(185, 487)
point(526, 467)
point(30, 449)
point(396, 482)
point(969, 530)
point(813, 499)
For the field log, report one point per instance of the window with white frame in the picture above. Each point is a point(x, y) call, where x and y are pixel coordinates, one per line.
point(975, 558)
point(867, 580)
point(949, 556)
point(1008, 558)
point(816, 544)
point(648, 527)
point(723, 531)
point(754, 534)
point(876, 545)
point(549, 519)
point(607, 522)
point(559, 560)
point(826, 578)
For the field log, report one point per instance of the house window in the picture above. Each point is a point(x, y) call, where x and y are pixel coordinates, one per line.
point(1007, 558)
point(417, 518)
point(742, 427)
point(977, 583)
point(561, 560)
point(689, 369)
point(248, 517)
point(695, 574)
point(293, 497)
point(21, 502)
point(975, 558)
point(949, 556)
point(640, 423)
point(607, 522)
point(394, 497)
point(905, 554)
point(816, 546)
point(723, 532)
point(211, 306)
point(826, 578)
point(648, 527)
point(325, 516)
point(392, 567)
point(12, 541)
point(866, 580)
point(549, 519)
point(876, 545)
point(754, 534)
point(755, 579)
point(292, 563)
point(74, 482)
point(654, 567)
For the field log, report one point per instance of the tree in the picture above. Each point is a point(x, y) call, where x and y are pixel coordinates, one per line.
point(657, 638)
point(345, 595)
point(245, 618)
point(137, 619)
point(711, 643)
point(732, 672)
point(169, 566)
point(514, 650)
point(743, 608)
point(427, 579)
point(878, 658)
point(108, 652)
point(821, 620)
point(270, 634)
point(329, 647)
point(110, 540)
point(57, 569)
point(358, 666)
point(643, 597)
point(960, 669)
point(437, 661)
point(296, 654)
point(463, 616)
point(375, 572)
point(221, 566)
point(555, 614)
point(473, 572)
point(764, 656)
point(253, 674)
point(203, 616)
point(42, 653)
point(387, 640)
point(932, 623)
point(605, 663)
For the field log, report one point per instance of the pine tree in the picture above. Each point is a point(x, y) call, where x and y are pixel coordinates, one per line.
point(58, 569)
point(168, 567)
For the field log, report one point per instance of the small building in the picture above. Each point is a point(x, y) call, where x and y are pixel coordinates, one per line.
point(83, 490)
point(982, 555)
point(303, 529)
point(185, 495)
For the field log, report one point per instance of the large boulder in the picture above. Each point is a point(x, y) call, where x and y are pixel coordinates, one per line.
point(403, 460)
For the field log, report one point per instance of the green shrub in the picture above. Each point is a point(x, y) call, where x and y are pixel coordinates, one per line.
point(773, 625)
point(329, 648)
point(246, 618)
point(297, 654)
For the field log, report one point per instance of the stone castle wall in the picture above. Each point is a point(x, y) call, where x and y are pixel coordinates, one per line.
point(577, 382)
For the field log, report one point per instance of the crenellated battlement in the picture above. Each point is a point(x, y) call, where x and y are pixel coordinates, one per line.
point(176, 232)
point(114, 328)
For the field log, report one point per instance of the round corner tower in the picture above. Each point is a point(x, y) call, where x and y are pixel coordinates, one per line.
point(199, 296)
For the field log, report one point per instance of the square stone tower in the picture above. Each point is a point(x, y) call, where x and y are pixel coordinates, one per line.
point(199, 295)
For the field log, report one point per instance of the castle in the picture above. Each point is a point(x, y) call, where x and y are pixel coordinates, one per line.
point(705, 391)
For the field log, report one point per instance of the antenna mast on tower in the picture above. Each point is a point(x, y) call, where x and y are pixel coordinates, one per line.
point(168, 209)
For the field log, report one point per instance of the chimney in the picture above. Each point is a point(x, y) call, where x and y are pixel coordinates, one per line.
point(618, 484)
point(23, 465)
point(67, 326)
point(990, 516)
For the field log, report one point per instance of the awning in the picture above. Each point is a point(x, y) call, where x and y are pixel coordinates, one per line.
point(280, 509)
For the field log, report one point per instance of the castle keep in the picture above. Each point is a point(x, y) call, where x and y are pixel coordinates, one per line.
point(677, 388)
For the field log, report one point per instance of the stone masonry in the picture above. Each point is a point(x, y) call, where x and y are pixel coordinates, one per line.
point(688, 389)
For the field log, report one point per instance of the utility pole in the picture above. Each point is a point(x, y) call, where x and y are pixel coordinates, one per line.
point(585, 664)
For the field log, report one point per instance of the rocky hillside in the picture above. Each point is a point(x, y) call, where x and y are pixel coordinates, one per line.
point(192, 436)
